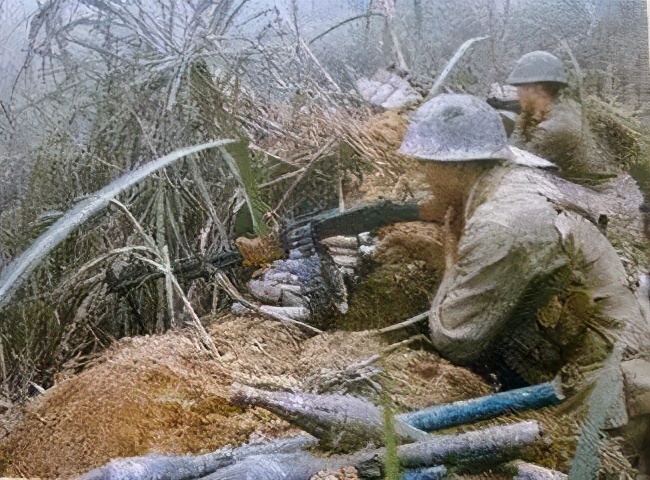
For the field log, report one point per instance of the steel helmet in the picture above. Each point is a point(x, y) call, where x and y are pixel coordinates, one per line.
point(458, 128)
point(537, 67)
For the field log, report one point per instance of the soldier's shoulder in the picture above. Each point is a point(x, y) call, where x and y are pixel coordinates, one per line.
point(566, 114)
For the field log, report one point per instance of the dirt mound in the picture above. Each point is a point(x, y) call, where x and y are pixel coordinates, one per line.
point(414, 378)
point(401, 280)
point(412, 241)
point(391, 175)
point(163, 394)
point(149, 394)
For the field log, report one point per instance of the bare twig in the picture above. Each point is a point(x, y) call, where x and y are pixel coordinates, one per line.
point(319, 65)
point(282, 178)
point(451, 64)
point(406, 323)
point(345, 22)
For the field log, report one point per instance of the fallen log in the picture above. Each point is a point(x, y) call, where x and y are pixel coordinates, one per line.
point(342, 423)
point(484, 445)
point(187, 467)
point(449, 415)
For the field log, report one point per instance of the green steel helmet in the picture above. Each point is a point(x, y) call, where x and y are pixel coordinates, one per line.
point(455, 128)
point(537, 67)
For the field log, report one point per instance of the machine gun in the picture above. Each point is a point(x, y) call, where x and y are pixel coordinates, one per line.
point(302, 235)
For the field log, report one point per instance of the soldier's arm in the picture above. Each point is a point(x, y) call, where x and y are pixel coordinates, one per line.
point(479, 293)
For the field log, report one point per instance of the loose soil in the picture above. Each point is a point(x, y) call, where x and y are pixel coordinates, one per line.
point(163, 394)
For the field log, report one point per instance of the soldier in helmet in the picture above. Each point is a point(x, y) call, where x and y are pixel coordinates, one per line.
point(551, 125)
point(517, 235)
point(539, 77)
point(532, 287)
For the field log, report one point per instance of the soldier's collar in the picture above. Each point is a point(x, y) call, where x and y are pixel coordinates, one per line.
point(522, 157)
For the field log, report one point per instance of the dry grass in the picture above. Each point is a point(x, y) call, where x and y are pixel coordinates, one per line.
point(378, 140)
point(414, 378)
point(403, 280)
point(147, 394)
point(418, 379)
point(415, 241)
point(388, 174)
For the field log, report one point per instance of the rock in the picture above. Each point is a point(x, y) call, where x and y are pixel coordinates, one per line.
point(637, 386)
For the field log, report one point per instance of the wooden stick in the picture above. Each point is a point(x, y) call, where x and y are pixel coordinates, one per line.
point(406, 323)
point(480, 444)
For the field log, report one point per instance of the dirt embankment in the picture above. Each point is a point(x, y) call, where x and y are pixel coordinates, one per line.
point(162, 394)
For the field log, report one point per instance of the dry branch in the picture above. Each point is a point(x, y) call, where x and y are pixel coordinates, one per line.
point(324, 150)
point(406, 323)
